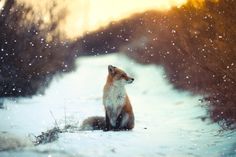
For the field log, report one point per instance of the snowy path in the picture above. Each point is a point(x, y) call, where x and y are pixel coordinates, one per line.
point(166, 119)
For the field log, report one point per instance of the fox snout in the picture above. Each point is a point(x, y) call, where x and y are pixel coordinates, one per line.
point(130, 80)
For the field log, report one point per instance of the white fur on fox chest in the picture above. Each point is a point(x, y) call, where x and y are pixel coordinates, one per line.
point(114, 101)
point(115, 97)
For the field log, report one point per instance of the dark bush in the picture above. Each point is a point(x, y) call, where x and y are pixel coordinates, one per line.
point(32, 51)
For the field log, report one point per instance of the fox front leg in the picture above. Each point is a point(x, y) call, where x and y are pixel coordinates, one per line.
point(118, 123)
point(107, 123)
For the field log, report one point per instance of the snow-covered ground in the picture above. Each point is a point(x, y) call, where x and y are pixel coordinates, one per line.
point(167, 122)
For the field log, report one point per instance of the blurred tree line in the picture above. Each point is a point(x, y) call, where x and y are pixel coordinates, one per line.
point(195, 45)
point(31, 50)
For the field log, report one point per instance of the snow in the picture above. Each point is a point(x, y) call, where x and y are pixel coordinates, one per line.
point(166, 120)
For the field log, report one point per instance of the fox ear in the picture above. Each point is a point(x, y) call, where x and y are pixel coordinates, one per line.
point(111, 69)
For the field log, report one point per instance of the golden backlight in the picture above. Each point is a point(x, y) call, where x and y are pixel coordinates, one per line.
point(88, 15)
point(1, 4)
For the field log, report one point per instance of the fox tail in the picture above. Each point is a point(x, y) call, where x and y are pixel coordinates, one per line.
point(93, 123)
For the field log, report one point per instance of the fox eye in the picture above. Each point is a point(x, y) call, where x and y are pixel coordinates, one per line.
point(123, 75)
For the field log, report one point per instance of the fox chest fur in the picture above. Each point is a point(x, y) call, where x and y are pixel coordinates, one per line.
point(114, 97)
point(114, 100)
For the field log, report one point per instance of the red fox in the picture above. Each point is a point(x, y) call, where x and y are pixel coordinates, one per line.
point(118, 110)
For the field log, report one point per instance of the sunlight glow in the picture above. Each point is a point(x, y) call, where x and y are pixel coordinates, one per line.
point(2, 2)
point(94, 14)
point(84, 16)
point(89, 15)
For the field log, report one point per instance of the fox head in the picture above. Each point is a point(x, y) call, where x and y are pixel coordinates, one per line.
point(118, 76)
